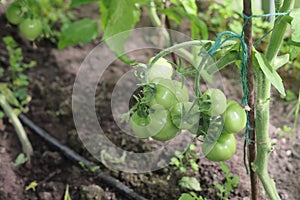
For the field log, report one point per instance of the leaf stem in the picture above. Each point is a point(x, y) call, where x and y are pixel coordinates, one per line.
point(26, 145)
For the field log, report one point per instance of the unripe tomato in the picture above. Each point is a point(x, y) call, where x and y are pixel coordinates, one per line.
point(160, 69)
point(218, 101)
point(168, 130)
point(234, 118)
point(147, 126)
point(168, 93)
point(220, 150)
point(139, 125)
point(30, 28)
point(14, 13)
point(185, 115)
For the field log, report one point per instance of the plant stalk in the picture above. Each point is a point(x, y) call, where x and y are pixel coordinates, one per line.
point(251, 116)
point(264, 145)
point(26, 145)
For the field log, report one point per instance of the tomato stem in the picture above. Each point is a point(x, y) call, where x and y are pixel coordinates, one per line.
point(263, 140)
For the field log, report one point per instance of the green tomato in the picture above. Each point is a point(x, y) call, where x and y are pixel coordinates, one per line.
point(147, 126)
point(220, 150)
point(218, 101)
point(185, 115)
point(160, 69)
point(181, 91)
point(168, 93)
point(30, 28)
point(14, 13)
point(168, 130)
point(139, 124)
point(234, 118)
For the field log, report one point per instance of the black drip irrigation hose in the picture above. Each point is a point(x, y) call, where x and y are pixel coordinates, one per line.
point(109, 180)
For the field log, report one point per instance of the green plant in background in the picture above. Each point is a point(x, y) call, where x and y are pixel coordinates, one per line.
point(38, 19)
point(16, 79)
point(227, 17)
point(13, 92)
point(224, 189)
point(230, 183)
point(188, 159)
point(191, 196)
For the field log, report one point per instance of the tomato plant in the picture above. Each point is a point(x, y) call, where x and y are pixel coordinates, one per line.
point(14, 13)
point(234, 118)
point(221, 149)
point(30, 28)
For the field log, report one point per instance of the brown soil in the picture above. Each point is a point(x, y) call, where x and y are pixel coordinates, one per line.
point(50, 108)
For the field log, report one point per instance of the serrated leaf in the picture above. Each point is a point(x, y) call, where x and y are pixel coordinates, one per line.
point(281, 60)
point(295, 14)
point(269, 72)
point(190, 183)
point(120, 17)
point(76, 3)
point(83, 31)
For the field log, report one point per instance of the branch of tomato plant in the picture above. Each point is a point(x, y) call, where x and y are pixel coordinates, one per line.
point(26, 145)
point(251, 118)
point(264, 145)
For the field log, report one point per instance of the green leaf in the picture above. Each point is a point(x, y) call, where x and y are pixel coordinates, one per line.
point(295, 14)
point(190, 6)
point(223, 62)
point(190, 183)
point(76, 3)
point(198, 27)
point(281, 60)
point(1, 71)
point(224, 167)
point(21, 159)
point(83, 31)
point(262, 62)
point(294, 52)
point(120, 16)
point(67, 194)
point(186, 196)
point(175, 161)
point(172, 14)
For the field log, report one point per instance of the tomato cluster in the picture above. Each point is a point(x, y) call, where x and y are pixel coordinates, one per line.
point(16, 14)
point(220, 144)
point(163, 109)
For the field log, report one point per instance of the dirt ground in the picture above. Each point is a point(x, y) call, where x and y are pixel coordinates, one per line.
point(51, 90)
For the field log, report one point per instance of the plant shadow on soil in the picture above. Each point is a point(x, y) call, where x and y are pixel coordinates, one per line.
point(51, 90)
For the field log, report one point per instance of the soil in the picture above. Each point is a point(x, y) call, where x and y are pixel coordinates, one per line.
point(51, 91)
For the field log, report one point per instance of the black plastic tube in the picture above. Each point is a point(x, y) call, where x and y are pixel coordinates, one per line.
point(107, 179)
